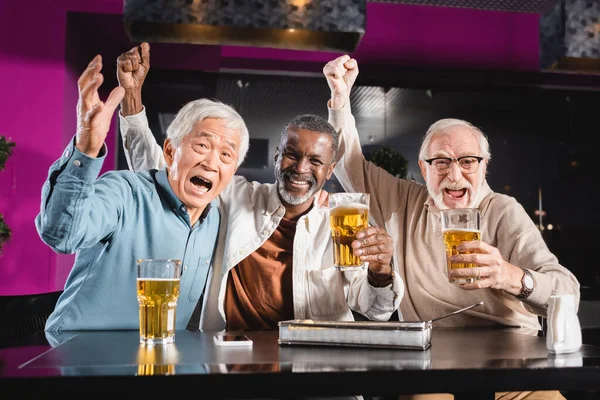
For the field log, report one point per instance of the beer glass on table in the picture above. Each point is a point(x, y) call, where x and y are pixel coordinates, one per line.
point(348, 214)
point(157, 360)
point(459, 225)
point(157, 293)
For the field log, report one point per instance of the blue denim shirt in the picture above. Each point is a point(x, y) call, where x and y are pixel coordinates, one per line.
point(110, 222)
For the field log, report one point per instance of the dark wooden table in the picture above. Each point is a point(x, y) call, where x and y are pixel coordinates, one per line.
point(468, 363)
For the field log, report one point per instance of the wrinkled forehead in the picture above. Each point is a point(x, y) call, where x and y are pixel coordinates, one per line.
point(454, 141)
point(306, 138)
point(216, 128)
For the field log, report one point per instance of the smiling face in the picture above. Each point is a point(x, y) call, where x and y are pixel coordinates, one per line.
point(303, 163)
point(455, 189)
point(203, 163)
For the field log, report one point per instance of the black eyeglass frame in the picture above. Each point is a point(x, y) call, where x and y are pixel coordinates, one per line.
point(478, 158)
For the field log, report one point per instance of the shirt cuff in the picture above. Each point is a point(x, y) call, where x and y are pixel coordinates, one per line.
point(80, 165)
point(137, 121)
point(541, 291)
point(338, 116)
point(392, 292)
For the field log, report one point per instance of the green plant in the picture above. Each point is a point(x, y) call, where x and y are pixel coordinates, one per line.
point(6, 147)
point(389, 159)
point(5, 150)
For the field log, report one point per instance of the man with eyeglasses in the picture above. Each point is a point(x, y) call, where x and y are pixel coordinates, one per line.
point(517, 270)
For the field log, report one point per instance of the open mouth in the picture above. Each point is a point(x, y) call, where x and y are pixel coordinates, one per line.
point(203, 185)
point(297, 182)
point(456, 194)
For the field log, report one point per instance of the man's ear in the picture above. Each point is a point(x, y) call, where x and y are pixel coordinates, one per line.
point(169, 152)
point(276, 155)
point(423, 168)
point(330, 170)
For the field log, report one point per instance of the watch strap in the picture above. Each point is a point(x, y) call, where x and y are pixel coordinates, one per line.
point(525, 290)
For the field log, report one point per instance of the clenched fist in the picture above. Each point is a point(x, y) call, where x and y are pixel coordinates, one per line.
point(341, 74)
point(132, 69)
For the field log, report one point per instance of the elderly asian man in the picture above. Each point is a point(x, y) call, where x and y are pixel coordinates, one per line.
point(112, 220)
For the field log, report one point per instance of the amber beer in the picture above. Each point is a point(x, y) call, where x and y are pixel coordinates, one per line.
point(158, 305)
point(453, 238)
point(158, 286)
point(459, 225)
point(346, 220)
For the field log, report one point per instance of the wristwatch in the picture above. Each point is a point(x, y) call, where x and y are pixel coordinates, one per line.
point(527, 284)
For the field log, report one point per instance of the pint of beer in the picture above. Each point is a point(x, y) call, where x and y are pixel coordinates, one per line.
point(459, 225)
point(157, 293)
point(348, 214)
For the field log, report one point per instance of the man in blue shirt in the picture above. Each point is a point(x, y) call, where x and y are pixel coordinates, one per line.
point(113, 220)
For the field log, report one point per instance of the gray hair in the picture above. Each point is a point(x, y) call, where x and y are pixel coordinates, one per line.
point(199, 110)
point(443, 125)
point(313, 123)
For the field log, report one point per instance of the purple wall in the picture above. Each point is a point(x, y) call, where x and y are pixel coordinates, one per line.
point(38, 91)
point(37, 100)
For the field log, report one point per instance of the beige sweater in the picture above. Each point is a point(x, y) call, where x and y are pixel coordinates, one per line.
point(406, 211)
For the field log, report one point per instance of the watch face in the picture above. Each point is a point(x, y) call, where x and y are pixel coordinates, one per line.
point(528, 281)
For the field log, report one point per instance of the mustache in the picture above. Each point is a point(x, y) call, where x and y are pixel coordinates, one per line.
point(455, 186)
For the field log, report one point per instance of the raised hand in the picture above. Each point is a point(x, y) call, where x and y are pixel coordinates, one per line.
point(94, 115)
point(132, 69)
point(133, 66)
point(375, 245)
point(341, 74)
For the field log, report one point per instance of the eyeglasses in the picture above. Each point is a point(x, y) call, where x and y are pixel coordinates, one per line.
point(467, 164)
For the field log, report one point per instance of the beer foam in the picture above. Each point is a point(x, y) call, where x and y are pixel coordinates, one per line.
point(351, 206)
point(461, 230)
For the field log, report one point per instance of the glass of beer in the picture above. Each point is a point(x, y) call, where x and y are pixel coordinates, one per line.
point(459, 225)
point(348, 214)
point(157, 293)
point(157, 360)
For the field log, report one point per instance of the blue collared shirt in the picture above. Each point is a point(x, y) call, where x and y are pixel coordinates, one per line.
point(110, 222)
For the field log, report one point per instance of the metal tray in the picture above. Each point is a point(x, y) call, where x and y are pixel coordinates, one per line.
point(396, 335)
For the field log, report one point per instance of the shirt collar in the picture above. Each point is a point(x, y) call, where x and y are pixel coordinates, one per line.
point(274, 202)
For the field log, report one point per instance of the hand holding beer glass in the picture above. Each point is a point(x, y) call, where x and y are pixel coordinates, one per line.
point(157, 292)
point(459, 225)
point(348, 214)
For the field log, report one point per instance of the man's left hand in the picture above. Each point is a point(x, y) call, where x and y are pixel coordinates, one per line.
point(375, 245)
point(494, 272)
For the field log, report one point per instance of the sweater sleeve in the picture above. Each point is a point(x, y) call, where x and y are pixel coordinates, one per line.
point(356, 174)
point(521, 243)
